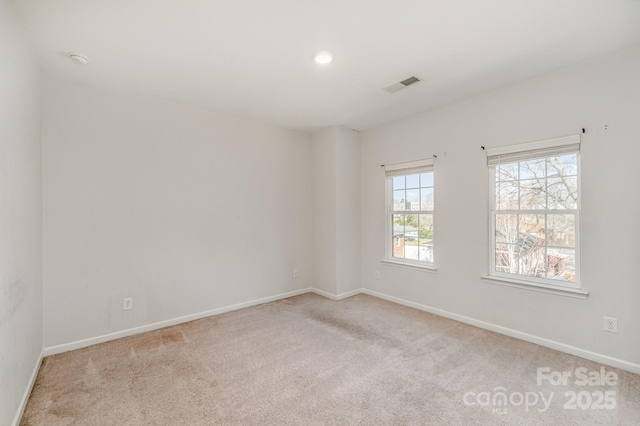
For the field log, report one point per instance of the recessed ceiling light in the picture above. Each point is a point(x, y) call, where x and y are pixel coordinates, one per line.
point(323, 57)
point(79, 59)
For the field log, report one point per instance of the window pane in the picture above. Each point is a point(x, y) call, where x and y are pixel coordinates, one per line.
point(532, 169)
point(507, 172)
point(413, 199)
point(411, 250)
point(532, 194)
point(531, 261)
point(412, 234)
point(532, 227)
point(411, 227)
point(398, 235)
point(531, 245)
point(398, 224)
point(565, 165)
point(399, 198)
point(425, 237)
point(563, 193)
point(413, 181)
point(561, 230)
point(426, 198)
point(398, 182)
point(507, 258)
point(426, 179)
point(507, 228)
point(543, 244)
point(561, 264)
point(507, 195)
point(411, 237)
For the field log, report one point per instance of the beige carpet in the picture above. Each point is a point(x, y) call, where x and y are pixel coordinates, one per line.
point(308, 360)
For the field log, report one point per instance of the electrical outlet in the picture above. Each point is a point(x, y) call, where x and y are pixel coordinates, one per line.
point(611, 324)
point(295, 273)
point(376, 275)
point(127, 303)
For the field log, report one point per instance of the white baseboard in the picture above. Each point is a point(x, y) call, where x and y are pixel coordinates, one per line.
point(562, 347)
point(52, 350)
point(324, 293)
point(27, 392)
point(348, 294)
point(336, 296)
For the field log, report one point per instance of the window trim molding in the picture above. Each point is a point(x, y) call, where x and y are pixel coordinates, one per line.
point(561, 290)
point(411, 265)
point(537, 149)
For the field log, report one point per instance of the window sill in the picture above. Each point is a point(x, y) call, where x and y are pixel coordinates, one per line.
point(529, 285)
point(424, 268)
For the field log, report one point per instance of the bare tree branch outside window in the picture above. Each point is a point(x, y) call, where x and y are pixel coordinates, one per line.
point(535, 217)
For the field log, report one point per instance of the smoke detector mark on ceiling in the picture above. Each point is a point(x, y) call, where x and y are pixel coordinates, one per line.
point(393, 88)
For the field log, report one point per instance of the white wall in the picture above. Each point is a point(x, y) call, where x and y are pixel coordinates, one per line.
point(324, 210)
point(592, 95)
point(181, 209)
point(336, 174)
point(348, 210)
point(20, 215)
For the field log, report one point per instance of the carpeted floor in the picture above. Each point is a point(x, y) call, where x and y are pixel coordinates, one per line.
point(308, 360)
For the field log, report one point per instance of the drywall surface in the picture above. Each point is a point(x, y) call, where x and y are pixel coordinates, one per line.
point(324, 210)
point(20, 215)
point(182, 210)
point(602, 96)
point(336, 210)
point(348, 210)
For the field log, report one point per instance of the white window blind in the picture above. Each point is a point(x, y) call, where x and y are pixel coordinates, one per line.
point(410, 167)
point(538, 149)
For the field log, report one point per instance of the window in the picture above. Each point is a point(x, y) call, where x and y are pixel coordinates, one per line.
point(535, 212)
point(409, 218)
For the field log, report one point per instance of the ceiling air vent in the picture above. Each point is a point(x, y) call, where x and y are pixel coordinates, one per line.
point(393, 88)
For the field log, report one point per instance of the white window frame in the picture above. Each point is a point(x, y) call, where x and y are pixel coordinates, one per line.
point(529, 151)
point(404, 169)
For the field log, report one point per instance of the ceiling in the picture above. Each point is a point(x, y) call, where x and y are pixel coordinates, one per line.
point(253, 58)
